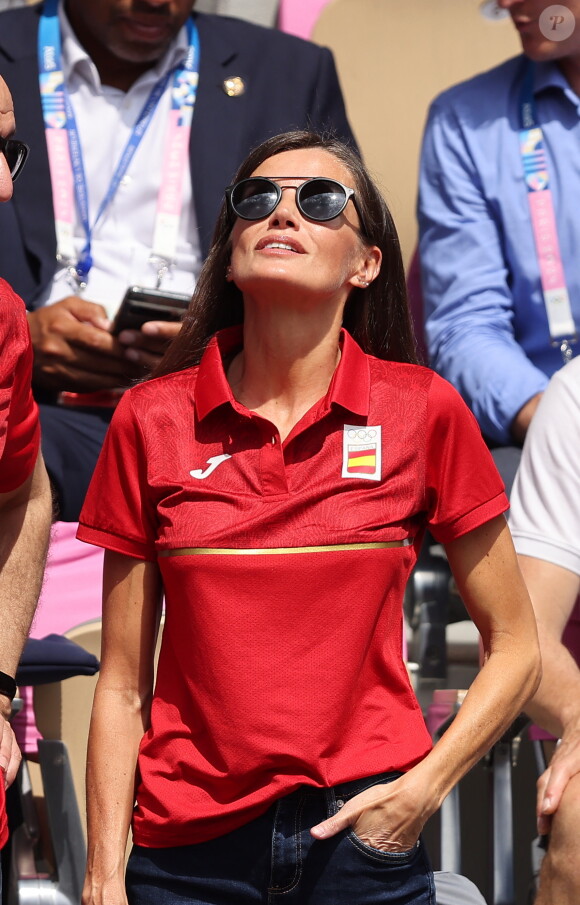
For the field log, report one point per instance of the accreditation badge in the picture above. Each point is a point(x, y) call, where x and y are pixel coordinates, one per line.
point(361, 452)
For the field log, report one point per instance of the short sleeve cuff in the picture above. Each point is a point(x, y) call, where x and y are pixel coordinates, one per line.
point(125, 545)
point(546, 549)
point(471, 520)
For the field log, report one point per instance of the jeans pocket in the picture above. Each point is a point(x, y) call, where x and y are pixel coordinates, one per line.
point(379, 854)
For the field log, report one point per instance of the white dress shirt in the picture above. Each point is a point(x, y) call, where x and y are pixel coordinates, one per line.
point(122, 240)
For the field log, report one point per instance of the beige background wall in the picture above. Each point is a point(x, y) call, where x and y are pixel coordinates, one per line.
point(393, 57)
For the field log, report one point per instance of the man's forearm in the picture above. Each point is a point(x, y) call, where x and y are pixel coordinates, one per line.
point(556, 704)
point(25, 517)
point(553, 590)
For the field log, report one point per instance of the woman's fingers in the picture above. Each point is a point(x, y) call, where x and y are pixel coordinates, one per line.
point(333, 825)
point(379, 817)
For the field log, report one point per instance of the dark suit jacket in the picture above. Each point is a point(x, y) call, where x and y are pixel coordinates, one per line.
point(290, 83)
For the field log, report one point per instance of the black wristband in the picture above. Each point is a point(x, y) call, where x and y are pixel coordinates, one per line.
point(7, 686)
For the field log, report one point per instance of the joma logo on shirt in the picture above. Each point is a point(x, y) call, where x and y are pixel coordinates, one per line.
point(212, 463)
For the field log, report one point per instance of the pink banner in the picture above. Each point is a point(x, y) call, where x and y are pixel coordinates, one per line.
point(298, 17)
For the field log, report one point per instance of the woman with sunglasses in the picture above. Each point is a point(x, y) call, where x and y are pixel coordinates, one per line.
point(274, 481)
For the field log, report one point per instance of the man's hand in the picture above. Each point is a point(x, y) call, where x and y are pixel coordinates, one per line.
point(10, 755)
point(74, 350)
point(388, 817)
point(550, 787)
point(147, 346)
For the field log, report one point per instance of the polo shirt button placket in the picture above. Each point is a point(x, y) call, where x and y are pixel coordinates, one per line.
point(273, 468)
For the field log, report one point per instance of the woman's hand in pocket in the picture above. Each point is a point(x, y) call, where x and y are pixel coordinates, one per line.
point(388, 816)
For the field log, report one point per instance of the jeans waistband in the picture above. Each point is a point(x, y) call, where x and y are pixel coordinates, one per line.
point(346, 789)
point(350, 788)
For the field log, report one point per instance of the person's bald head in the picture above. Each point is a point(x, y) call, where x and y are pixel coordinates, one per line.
point(7, 125)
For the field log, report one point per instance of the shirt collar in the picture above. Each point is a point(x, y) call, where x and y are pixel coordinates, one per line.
point(349, 387)
point(75, 59)
point(549, 75)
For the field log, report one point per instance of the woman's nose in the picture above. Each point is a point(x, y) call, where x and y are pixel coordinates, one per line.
point(286, 212)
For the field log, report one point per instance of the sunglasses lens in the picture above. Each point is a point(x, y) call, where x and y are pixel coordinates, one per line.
point(15, 153)
point(254, 199)
point(322, 199)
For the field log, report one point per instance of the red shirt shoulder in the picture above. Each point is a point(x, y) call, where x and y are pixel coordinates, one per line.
point(19, 429)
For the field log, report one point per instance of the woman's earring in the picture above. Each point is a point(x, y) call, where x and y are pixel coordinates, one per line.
point(229, 272)
point(364, 283)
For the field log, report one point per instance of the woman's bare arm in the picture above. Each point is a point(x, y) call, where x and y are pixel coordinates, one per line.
point(120, 716)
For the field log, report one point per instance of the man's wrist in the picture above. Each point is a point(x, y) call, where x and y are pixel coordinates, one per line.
point(7, 686)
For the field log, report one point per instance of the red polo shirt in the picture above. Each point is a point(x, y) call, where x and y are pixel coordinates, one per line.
point(284, 567)
point(19, 431)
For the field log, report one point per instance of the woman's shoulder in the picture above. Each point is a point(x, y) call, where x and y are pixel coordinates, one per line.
point(161, 397)
point(161, 387)
point(413, 374)
point(402, 372)
point(418, 384)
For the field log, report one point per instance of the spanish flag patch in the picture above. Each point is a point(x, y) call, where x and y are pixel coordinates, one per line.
point(361, 456)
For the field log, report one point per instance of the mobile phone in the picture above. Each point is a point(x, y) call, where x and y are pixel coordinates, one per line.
point(140, 305)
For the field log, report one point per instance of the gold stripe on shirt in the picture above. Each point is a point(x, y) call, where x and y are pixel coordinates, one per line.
point(281, 551)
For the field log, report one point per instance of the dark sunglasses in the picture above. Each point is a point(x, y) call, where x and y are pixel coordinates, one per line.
point(317, 199)
point(15, 153)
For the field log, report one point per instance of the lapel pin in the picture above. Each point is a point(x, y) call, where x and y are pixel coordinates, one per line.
point(234, 86)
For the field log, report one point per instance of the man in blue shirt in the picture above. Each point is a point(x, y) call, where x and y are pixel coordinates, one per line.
point(487, 325)
point(486, 319)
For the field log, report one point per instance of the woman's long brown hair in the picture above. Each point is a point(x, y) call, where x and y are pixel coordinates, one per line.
point(377, 316)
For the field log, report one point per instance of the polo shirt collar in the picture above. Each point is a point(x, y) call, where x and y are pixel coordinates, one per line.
point(349, 387)
point(351, 382)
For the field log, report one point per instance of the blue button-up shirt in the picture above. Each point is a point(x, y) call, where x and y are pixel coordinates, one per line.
point(486, 322)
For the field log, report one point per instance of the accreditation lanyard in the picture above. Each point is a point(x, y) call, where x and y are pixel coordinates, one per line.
point(66, 161)
point(556, 299)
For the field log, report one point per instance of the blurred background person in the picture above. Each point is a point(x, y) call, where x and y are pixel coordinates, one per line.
point(159, 107)
point(498, 200)
point(545, 523)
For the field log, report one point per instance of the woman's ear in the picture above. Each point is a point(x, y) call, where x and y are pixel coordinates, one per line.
point(369, 267)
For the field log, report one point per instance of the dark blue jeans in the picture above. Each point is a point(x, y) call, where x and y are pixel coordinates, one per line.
point(275, 861)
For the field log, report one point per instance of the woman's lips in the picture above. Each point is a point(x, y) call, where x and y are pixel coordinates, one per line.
point(282, 244)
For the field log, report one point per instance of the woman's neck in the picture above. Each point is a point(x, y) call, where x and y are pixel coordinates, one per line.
point(286, 365)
